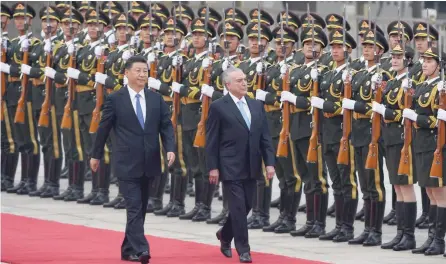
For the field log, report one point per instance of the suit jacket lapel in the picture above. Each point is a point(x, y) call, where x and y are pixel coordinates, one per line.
point(235, 110)
point(128, 104)
point(148, 103)
point(251, 110)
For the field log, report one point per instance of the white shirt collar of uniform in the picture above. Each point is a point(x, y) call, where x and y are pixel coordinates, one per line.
point(149, 49)
point(52, 38)
point(94, 44)
point(172, 53)
point(108, 33)
point(371, 68)
point(432, 80)
point(401, 76)
point(133, 93)
point(120, 48)
point(254, 60)
point(137, 32)
point(23, 37)
point(85, 30)
point(310, 64)
point(236, 100)
point(197, 56)
point(340, 68)
point(361, 59)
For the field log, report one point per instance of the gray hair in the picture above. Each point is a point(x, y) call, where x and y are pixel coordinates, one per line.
point(225, 75)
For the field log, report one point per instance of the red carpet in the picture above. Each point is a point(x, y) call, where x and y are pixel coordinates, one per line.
point(29, 240)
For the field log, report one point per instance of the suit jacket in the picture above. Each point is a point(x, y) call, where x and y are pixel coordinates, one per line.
point(136, 150)
point(231, 147)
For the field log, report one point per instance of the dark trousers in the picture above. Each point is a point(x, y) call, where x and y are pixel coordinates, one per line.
point(136, 194)
point(239, 195)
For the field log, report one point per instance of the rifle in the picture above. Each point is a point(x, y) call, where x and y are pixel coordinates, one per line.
point(67, 119)
point(200, 137)
point(46, 105)
point(314, 139)
point(437, 163)
point(153, 65)
point(21, 105)
point(343, 154)
point(96, 115)
point(282, 147)
point(260, 76)
point(3, 81)
point(176, 77)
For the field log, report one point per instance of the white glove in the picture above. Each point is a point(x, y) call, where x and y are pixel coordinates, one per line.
point(183, 44)
point(112, 40)
point(47, 47)
point(25, 68)
point(73, 73)
point(441, 86)
point(87, 38)
point(283, 69)
point(177, 61)
point(441, 114)
point(154, 83)
point(317, 102)
point(225, 64)
point(346, 75)
point(100, 77)
point(314, 74)
point(405, 83)
point(378, 108)
point(151, 57)
point(42, 34)
point(134, 40)
point(126, 55)
point(377, 78)
point(260, 95)
point(98, 51)
point(50, 72)
point(288, 97)
point(259, 67)
point(5, 43)
point(410, 114)
point(176, 87)
point(71, 49)
point(348, 104)
point(126, 80)
point(206, 63)
point(207, 90)
point(25, 44)
point(158, 45)
point(5, 67)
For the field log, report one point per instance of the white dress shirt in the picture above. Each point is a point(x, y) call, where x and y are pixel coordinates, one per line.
point(142, 101)
point(245, 105)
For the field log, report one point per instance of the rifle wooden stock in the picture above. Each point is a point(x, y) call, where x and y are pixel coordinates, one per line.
point(437, 163)
point(404, 165)
point(344, 149)
point(44, 119)
point(200, 137)
point(153, 72)
point(21, 105)
point(3, 84)
point(67, 119)
point(176, 76)
point(282, 147)
point(372, 156)
point(312, 148)
point(96, 115)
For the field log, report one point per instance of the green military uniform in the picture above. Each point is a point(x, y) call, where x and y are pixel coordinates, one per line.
point(394, 29)
point(185, 12)
point(84, 6)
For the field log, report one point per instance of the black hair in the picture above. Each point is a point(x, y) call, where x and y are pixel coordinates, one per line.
point(134, 59)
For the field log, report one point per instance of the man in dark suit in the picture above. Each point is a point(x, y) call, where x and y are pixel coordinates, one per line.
point(138, 117)
point(237, 138)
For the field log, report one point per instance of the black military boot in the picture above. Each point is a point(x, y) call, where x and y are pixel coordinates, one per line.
point(310, 217)
point(320, 215)
point(423, 221)
point(431, 231)
point(376, 221)
point(11, 160)
point(348, 219)
point(121, 204)
point(78, 186)
point(103, 177)
point(180, 192)
point(167, 207)
point(266, 205)
point(70, 183)
point(204, 213)
point(399, 214)
point(289, 223)
point(117, 200)
point(54, 168)
point(360, 215)
point(284, 202)
point(275, 203)
point(339, 210)
point(33, 173)
point(331, 210)
point(157, 200)
point(408, 240)
point(392, 214)
point(46, 176)
point(94, 185)
point(437, 246)
point(224, 212)
point(365, 234)
point(303, 207)
point(64, 171)
point(25, 167)
point(199, 186)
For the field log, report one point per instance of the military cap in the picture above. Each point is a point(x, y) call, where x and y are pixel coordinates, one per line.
point(18, 9)
point(76, 16)
point(364, 27)
point(84, 5)
point(336, 21)
point(144, 21)
point(398, 50)
point(198, 25)
point(91, 17)
point(337, 37)
point(6, 11)
point(160, 10)
point(138, 7)
point(52, 11)
point(265, 17)
point(116, 7)
point(62, 4)
point(318, 33)
point(392, 29)
point(213, 14)
point(369, 38)
point(433, 53)
point(238, 15)
point(293, 19)
point(180, 27)
point(232, 29)
point(184, 11)
point(253, 30)
point(288, 34)
point(420, 30)
point(318, 21)
point(121, 21)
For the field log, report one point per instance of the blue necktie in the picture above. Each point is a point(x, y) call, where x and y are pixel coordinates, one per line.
point(139, 111)
point(242, 111)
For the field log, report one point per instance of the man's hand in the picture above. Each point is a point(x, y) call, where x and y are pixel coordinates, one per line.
point(270, 171)
point(170, 158)
point(94, 164)
point(213, 176)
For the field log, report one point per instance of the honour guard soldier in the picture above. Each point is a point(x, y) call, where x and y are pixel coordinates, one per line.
point(138, 8)
point(363, 27)
point(333, 21)
point(185, 14)
point(289, 180)
point(236, 15)
point(267, 20)
point(112, 9)
point(83, 7)
point(318, 21)
point(394, 39)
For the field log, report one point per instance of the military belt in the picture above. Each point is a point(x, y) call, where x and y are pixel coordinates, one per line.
point(84, 88)
point(360, 116)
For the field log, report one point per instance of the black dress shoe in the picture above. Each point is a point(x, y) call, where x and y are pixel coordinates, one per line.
point(225, 247)
point(245, 258)
point(144, 257)
point(132, 258)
